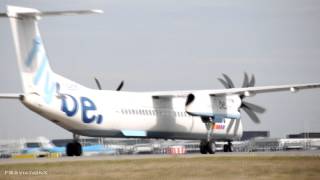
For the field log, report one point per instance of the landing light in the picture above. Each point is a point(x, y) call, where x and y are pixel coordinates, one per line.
point(247, 93)
point(292, 89)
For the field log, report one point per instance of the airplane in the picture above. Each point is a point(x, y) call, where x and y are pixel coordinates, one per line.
point(205, 115)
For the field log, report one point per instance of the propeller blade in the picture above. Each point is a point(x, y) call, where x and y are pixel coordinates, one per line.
point(120, 86)
point(254, 107)
point(245, 81)
point(225, 84)
point(229, 81)
point(98, 83)
point(252, 81)
point(251, 114)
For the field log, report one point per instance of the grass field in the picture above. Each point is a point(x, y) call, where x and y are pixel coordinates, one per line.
point(172, 168)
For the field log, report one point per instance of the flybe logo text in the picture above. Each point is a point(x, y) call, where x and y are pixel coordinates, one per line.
point(70, 106)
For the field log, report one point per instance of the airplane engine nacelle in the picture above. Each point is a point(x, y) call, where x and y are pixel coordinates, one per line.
point(218, 107)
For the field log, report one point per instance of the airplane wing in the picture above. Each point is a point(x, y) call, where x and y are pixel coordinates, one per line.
point(240, 91)
point(10, 96)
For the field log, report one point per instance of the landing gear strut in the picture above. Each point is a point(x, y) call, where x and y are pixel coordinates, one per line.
point(208, 145)
point(74, 148)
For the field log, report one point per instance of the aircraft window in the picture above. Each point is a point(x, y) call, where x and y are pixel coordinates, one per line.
point(141, 112)
point(126, 111)
point(133, 111)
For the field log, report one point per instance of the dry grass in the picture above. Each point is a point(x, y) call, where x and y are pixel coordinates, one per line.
point(176, 168)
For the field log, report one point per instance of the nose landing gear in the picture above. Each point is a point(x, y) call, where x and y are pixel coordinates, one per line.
point(228, 147)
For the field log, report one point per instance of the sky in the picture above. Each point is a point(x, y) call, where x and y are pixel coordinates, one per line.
point(175, 45)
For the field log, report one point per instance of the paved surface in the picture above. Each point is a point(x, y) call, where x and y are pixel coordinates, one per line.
point(151, 156)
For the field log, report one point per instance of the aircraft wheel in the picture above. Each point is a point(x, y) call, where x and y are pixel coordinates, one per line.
point(70, 149)
point(211, 147)
point(203, 147)
point(78, 149)
point(230, 147)
point(74, 149)
point(225, 148)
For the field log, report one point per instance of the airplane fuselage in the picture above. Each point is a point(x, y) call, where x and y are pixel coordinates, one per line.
point(128, 114)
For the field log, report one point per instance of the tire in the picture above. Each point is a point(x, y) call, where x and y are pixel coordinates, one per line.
point(77, 149)
point(203, 147)
point(70, 149)
point(211, 147)
point(74, 149)
point(225, 148)
point(230, 147)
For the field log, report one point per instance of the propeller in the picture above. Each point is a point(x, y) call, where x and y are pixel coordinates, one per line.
point(98, 83)
point(100, 88)
point(120, 86)
point(249, 108)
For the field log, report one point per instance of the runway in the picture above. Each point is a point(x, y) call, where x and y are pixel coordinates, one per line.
point(315, 153)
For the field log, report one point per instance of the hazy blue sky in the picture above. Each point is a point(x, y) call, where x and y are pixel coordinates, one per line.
point(173, 45)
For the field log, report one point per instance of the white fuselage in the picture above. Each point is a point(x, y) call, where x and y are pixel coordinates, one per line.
point(128, 114)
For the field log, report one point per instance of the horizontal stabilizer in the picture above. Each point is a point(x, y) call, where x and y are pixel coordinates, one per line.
point(10, 96)
point(14, 11)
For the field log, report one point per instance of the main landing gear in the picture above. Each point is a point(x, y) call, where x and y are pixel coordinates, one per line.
point(74, 148)
point(208, 145)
